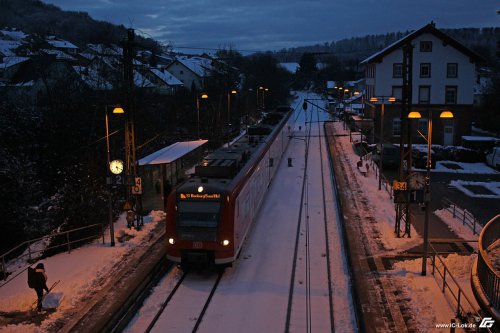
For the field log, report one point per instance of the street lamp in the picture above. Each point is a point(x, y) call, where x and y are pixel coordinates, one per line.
point(427, 192)
point(383, 99)
point(116, 110)
point(229, 93)
point(264, 97)
point(198, 96)
point(261, 88)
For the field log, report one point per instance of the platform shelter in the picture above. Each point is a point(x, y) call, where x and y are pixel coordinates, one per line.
point(162, 170)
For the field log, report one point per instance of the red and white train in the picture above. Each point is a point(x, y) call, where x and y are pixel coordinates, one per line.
point(209, 215)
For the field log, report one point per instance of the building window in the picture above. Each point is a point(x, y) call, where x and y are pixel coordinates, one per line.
point(425, 70)
point(424, 95)
point(397, 70)
point(452, 70)
point(450, 95)
point(396, 127)
point(423, 126)
point(397, 92)
point(426, 46)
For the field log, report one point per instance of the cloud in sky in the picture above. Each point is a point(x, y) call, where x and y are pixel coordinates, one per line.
point(275, 24)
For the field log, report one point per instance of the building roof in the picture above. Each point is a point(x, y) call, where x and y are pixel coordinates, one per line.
point(171, 153)
point(198, 65)
point(166, 77)
point(61, 44)
point(7, 47)
point(60, 55)
point(11, 61)
point(16, 35)
point(431, 29)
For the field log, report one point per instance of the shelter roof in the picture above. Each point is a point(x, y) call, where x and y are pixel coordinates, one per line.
point(171, 153)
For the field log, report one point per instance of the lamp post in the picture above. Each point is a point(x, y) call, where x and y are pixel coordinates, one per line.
point(198, 96)
point(261, 88)
point(116, 110)
point(229, 93)
point(427, 189)
point(264, 97)
point(375, 99)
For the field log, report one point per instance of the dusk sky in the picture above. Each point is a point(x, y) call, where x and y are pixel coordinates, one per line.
point(260, 25)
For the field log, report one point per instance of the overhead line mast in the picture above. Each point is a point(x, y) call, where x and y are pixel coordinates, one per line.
point(403, 212)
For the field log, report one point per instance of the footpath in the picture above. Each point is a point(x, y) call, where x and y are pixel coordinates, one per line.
point(389, 292)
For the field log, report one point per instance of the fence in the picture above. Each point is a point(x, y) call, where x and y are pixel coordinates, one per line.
point(30, 253)
point(462, 214)
point(465, 310)
point(489, 277)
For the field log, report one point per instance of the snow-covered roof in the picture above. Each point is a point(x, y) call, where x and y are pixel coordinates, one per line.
point(7, 47)
point(292, 67)
point(59, 54)
point(16, 35)
point(61, 44)
point(198, 65)
point(86, 55)
point(430, 29)
point(141, 81)
point(166, 77)
point(11, 61)
point(171, 153)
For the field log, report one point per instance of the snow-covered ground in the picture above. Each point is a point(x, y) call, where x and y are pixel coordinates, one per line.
point(81, 273)
point(251, 296)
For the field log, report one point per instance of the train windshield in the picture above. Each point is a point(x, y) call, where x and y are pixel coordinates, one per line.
point(198, 214)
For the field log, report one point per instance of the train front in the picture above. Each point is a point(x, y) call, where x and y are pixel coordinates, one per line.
point(196, 232)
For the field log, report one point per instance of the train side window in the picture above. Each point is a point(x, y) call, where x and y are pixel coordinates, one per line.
point(271, 162)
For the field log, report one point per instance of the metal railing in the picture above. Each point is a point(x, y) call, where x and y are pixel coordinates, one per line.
point(489, 277)
point(463, 215)
point(465, 310)
point(30, 253)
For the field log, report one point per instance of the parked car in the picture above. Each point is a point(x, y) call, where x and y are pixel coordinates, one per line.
point(390, 155)
point(493, 158)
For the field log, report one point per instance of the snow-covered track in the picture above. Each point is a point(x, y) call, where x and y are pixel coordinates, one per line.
point(304, 262)
point(186, 304)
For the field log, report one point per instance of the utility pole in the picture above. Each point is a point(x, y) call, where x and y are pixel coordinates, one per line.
point(130, 151)
point(403, 208)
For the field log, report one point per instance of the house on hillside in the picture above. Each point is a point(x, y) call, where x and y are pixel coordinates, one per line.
point(61, 45)
point(165, 81)
point(443, 75)
point(191, 71)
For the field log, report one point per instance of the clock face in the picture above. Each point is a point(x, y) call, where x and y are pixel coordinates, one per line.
point(116, 166)
point(417, 181)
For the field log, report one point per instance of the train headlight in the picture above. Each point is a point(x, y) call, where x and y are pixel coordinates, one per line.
point(171, 241)
point(225, 242)
point(200, 189)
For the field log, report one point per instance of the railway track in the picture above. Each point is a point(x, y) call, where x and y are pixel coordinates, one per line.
point(303, 297)
point(183, 309)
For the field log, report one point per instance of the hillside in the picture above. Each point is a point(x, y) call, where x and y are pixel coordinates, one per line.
point(482, 40)
point(36, 17)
